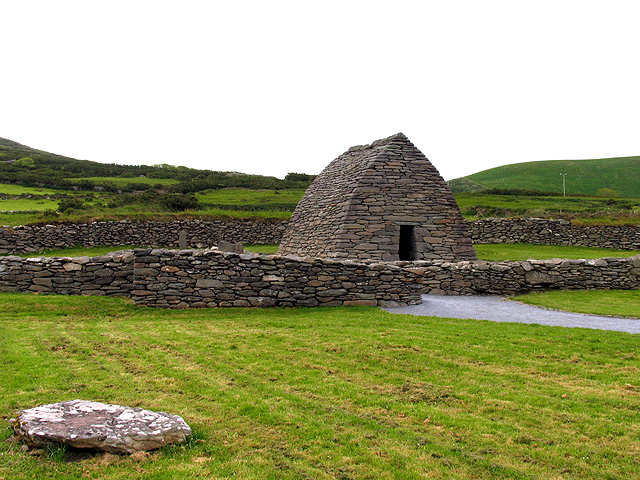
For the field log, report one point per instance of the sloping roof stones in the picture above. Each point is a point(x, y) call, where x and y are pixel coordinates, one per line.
point(369, 198)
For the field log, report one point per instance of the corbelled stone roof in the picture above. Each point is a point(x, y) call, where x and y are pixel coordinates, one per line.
point(383, 201)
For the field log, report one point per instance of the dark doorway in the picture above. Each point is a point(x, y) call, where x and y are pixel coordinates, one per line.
point(407, 247)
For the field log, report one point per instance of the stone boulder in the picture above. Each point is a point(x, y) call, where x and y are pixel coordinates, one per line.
point(99, 426)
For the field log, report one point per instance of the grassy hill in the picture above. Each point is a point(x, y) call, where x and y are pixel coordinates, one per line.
point(53, 188)
point(27, 166)
point(609, 177)
point(37, 186)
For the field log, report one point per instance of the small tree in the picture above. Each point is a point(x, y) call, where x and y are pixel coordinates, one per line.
point(25, 162)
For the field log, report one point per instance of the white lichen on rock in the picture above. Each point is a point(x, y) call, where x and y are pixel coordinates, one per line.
point(99, 426)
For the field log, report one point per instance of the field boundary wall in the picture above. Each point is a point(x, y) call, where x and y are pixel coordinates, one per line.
point(542, 231)
point(204, 234)
point(199, 234)
point(210, 278)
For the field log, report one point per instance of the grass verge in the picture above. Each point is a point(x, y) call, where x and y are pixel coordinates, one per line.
point(514, 252)
point(268, 249)
point(328, 392)
point(619, 303)
point(523, 251)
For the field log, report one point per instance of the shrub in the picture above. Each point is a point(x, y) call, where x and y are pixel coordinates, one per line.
point(300, 177)
point(68, 204)
point(49, 213)
point(178, 202)
point(606, 192)
point(25, 162)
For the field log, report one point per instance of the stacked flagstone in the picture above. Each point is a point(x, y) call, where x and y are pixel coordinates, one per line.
point(366, 200)
point(199, 234)
point(212, 278)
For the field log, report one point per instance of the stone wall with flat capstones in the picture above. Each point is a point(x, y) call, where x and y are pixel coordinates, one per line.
point(200, 234)
point(208, 278)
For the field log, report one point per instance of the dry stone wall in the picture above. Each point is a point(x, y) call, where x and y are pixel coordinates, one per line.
point(554, 232)
point(199, 234)
point(511, 278)
point(107, 275)
point(183, 278)
point(210, 278)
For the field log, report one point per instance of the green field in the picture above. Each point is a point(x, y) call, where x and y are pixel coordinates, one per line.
point(620, 303)
point(522, 251)
point(488, 252)
point(580, 209)
point(607, 176)
point(10, 189)
point(514, 251)
point(279, 204)
point(271, 203)
point(327, 393)
point(242, 196)
point(38, 204)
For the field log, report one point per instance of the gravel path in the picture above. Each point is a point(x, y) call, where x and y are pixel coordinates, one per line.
point(497, 309)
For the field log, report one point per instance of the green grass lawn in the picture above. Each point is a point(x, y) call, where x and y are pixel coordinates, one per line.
point(240, 202)
point(219, 213)
point(268, 249)
point(241, 196)
point(514, 251)
point(620, 303)
point(140, 213)
point(27, 204)
point(10, 189)
point(492, 252)
point(328, 392)
point(14, 219)
point(523, 251)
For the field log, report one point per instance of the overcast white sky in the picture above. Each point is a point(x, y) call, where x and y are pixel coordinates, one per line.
point(271, 87)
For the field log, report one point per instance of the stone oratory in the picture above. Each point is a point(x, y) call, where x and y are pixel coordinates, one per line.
point(384, 202)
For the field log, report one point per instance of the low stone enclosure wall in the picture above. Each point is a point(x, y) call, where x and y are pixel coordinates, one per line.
point(108, 275)
point(209, 278)
point(203, 234)
point(554, 232)
point(200, 278)
point(197, 233)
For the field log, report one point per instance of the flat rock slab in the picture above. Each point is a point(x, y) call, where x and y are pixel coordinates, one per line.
point(99, 426)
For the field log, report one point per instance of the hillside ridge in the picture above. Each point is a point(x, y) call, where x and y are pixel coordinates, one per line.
point(614, 176)
point(58, 171)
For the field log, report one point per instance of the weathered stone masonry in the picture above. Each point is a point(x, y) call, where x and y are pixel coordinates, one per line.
point(206, 278)
point(554, 232)
point(108, 275)
point(180, 279)
point(512, 278)
point(30, 239)
point(199, 234)
point(384, 201)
